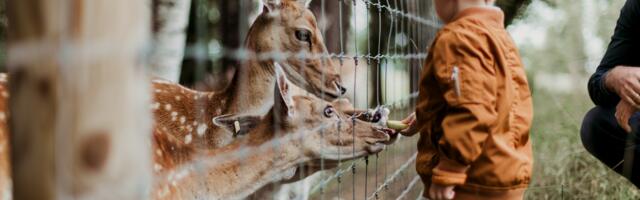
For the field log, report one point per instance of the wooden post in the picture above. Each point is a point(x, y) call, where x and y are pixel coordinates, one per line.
point(79, 103)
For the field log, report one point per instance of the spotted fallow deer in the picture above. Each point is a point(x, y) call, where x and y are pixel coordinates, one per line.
point(297, 130)
point(284, 26)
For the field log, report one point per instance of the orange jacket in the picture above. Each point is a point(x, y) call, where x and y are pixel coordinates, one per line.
point(475, 110)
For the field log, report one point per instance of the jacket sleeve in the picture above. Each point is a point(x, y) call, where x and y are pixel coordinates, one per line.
point(622, 50)
point(466, 73)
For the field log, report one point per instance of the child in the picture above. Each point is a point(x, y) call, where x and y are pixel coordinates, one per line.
point(474, 109)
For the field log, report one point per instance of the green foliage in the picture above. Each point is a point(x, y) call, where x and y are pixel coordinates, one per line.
point(571, 44)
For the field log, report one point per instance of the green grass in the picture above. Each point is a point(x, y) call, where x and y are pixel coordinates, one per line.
point(563, 169)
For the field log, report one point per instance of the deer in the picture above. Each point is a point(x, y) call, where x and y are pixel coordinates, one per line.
point(283, 26)
point(295, 131)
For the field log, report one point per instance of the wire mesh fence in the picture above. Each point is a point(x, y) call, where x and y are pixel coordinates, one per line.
point(392, 46)
point(380, 47)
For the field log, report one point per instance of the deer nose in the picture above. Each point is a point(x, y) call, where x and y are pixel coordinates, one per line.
point(342, 89)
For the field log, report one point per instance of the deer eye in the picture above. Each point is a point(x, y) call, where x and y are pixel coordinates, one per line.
point(329, 112)
point(303, 35)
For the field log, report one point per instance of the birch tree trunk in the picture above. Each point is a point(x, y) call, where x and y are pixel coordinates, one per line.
point(170, 20)
point(80, 120)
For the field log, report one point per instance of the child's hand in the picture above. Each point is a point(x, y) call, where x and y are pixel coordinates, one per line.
point(411, 121)
point(441, 192)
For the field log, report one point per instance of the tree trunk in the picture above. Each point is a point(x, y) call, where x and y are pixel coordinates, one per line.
point(330, 22)
point(80, 120)
point(380, 31)
point(229, 30)
point(170, 20)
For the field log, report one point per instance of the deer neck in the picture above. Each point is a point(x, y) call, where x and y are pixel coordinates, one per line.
point(254, 81)
point(253, 88)
point(236, 176)
point(188, 114)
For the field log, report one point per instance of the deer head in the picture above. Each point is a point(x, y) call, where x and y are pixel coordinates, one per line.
point(289, 26)
point(324, 132)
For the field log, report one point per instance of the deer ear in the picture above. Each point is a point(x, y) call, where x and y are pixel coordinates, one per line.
point(283, 101)
point(272, 5)
point(238, 125)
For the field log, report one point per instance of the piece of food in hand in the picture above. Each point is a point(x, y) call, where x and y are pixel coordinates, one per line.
point(397, 125)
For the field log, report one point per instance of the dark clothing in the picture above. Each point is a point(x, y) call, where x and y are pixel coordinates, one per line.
point(601, 134)
point(606, 140)
point(624, 49)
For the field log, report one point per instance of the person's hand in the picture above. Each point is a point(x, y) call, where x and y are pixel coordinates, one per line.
point(411, 122)
point(625, 81)
point(624, 110)
point(441, 192)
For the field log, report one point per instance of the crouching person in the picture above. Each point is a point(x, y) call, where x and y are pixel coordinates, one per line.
point(474, 109)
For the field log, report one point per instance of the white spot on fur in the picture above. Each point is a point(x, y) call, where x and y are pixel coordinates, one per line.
point(5, 94)
point(201, 129)
point(210, 95)
point(163, 192)
point(2, 116)
point(195, 123)
point(157, 167)
point(155, 106)
point(178, 98)
point(167, 107)
point(158, 152)
point(188, 138)
point(183, 119)
point(218, 111)
point(189, 128)
point(180, 175)
point(173, 114)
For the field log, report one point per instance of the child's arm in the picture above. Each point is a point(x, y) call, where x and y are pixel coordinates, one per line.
point(467, 77)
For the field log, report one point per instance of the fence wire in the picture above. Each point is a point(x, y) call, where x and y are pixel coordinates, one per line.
point(395, 24)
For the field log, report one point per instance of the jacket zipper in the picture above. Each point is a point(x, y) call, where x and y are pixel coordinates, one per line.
point(455, 77)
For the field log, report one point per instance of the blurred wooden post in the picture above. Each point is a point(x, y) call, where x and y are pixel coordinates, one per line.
point(79, 104)
point(170, 20)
